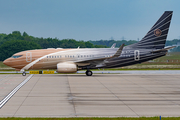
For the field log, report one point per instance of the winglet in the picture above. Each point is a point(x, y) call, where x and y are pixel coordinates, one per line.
point(113, 46)
point(118, 53)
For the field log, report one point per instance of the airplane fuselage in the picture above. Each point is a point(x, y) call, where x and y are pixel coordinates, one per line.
point(88, 57)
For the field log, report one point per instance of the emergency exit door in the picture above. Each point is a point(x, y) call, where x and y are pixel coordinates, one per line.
point(136, 55)
point(28, 56)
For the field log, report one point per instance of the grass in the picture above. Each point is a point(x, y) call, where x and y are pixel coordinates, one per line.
point(96, 118)
point(169, 59)
point(3, 65)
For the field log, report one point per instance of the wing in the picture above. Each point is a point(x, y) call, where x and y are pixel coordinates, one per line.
point(95, 61)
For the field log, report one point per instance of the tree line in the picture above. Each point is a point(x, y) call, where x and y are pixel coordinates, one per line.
point(16, 42)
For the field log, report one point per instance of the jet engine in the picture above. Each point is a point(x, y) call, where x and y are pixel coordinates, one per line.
point(66, 67)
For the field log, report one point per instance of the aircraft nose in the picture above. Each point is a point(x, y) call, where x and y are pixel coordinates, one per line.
point(6, 62)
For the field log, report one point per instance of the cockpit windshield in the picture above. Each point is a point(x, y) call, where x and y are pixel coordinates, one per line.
point(16, 56)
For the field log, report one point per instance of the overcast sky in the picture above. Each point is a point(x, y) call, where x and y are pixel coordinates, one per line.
point(87, 19)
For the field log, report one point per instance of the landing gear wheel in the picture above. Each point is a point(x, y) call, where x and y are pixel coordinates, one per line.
point(89, 73)
point(24, 74)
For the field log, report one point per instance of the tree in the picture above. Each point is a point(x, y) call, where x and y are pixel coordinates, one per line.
point(25, 34)
point(16, 32)
point(7, 49)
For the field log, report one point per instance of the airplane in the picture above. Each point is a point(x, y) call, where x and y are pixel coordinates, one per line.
point(150, 47)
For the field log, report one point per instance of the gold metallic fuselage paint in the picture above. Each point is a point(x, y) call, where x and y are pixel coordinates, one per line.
point(19, 63)
point(49, 58)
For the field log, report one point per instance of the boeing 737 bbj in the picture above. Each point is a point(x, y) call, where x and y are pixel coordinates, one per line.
point(71, 60)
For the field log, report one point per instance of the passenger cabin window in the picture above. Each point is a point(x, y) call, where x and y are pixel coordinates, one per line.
point(16, 56)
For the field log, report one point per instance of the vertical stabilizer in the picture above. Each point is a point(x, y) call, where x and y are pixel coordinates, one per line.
point(156, 37)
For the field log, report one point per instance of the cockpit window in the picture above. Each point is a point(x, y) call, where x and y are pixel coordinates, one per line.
point(16, 56)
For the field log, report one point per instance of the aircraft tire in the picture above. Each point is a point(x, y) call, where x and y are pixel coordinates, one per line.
point(24, 74)
point(89, 73)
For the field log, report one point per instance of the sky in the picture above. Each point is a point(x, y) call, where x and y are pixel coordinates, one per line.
point(87, 19)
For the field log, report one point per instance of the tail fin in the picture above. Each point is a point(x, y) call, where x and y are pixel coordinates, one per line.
point(156, 37)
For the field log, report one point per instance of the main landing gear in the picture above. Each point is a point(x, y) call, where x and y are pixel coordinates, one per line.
point(89, 73)
point(24, 74)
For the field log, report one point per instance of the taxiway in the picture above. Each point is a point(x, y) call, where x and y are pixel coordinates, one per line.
point(100, 95)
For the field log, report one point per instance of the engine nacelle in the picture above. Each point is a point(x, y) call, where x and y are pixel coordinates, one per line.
point(66, 67)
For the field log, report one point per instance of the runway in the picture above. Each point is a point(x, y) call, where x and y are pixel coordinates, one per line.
point(100, 95)
point(116, 72)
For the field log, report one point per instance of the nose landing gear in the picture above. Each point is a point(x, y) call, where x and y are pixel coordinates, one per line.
point(24, 74)
point(89, 73)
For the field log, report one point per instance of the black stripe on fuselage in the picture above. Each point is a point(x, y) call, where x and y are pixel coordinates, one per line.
point(128, 58)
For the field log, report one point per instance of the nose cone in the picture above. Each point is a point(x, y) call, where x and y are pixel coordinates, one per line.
point(6, 62)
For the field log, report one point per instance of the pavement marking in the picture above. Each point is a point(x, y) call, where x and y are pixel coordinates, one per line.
point(4, 77)
point(3, 102)
point(27, 95)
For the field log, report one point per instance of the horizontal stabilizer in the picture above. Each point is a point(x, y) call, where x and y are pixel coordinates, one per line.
point(165, 49)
